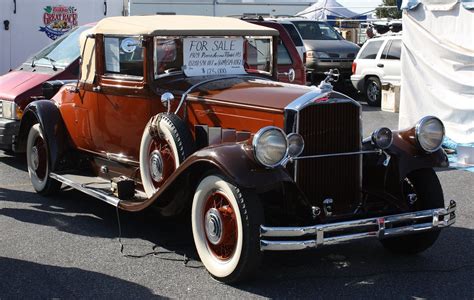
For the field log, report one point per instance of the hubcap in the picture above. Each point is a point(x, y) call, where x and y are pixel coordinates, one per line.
point(156, 166)
point(34, 158)
point(213, 226)
point(220, 225)
point(372, 91)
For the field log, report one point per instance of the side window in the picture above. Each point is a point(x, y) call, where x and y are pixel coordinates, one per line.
point(371, 49)
point(123, 56)
point(385, 50)
point(284, 57)
point(395, 50)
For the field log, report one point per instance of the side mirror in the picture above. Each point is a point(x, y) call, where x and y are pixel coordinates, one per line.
point(166, 99)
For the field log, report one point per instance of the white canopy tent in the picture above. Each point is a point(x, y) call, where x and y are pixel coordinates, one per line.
point(328, 9)
point(437, 66)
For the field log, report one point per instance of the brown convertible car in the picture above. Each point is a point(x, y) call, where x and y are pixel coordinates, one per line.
point(184, 113)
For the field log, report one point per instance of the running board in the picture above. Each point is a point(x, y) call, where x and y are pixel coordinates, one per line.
point(92, 186)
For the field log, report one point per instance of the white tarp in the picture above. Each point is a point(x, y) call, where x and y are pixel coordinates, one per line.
point(437, 68)
point(324, 8)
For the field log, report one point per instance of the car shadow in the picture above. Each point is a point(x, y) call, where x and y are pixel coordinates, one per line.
point(28, 280)
point(17, 161)
point(366, 270)
point(358, 270)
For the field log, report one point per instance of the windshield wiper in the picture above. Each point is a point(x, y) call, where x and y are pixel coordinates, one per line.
point(51, 61)
point(33, 61)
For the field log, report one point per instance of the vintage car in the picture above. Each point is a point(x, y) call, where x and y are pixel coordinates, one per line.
point(176, 113)
point(19, 87)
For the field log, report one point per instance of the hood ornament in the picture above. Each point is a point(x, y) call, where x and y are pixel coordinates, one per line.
point(331, 76)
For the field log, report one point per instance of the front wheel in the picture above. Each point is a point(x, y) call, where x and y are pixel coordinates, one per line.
point(225, 225)
point(37, 158)
point(422, 187)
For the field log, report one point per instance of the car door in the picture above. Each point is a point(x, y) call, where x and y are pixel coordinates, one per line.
point(390, 61)
point(5, 36)
point(123, 97)
point(368, 59)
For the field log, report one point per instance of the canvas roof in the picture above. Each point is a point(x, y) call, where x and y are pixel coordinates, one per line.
point(179, 25)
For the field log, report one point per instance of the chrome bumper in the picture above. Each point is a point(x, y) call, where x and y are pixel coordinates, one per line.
point(273, 238)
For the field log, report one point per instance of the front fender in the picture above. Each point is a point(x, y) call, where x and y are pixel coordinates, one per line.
point(408, 156)
point(235, 160)
point(48, 115)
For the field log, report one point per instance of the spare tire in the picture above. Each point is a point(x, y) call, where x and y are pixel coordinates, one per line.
point(166, 143)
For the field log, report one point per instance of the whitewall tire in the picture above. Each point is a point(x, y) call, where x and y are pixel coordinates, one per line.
point(225, 226)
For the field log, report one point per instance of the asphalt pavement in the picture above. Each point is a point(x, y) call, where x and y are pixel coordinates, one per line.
point(67, 246)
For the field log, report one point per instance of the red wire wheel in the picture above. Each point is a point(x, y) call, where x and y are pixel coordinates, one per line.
point(220, 225)
point(162, 162)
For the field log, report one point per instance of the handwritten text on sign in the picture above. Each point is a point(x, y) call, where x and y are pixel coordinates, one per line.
point(213, 56)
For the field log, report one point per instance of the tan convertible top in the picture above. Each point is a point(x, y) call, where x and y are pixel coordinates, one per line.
point(179, 25)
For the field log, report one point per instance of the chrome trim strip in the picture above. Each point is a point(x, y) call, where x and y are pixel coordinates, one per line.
point(91, 192)
point(122, 159)
point(337, 154)
point(376, 227)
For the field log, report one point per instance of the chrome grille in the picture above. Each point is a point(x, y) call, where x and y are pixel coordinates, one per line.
point(331, 128)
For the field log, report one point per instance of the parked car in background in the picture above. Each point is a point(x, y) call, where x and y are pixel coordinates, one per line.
point(294, 34)
point(174, 112)
point(290, 63)
point(59, 60)
point(377, 62)
point(325, 49)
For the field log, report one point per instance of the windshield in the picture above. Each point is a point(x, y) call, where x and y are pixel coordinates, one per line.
point(311, 30)
point(62, 52)
point(203, 56)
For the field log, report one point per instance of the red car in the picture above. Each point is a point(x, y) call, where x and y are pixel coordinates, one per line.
point(19, 87)
point(290, 66)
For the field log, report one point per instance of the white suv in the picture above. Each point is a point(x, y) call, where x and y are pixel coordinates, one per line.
point(377, 62)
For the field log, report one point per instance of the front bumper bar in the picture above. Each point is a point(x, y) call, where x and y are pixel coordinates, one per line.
point(285, 238)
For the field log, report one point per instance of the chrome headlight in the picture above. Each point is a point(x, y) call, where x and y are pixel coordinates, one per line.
point(382, 138)
point(10, 110)
point(429, 133)
point(270, 146)
point(295, 144)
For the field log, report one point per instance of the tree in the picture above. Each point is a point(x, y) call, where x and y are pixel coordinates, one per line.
point(393, 13)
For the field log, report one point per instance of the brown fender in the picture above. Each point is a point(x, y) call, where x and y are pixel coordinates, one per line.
point(233, 160)
point(410, 155)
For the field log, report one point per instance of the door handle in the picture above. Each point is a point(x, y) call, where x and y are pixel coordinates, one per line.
point(14, 6)
point(6, 24)
point(105, 7)
point(380, 65)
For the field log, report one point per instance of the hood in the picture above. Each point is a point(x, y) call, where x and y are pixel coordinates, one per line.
point(17, 84)
point(252, 92)
point(341, 47)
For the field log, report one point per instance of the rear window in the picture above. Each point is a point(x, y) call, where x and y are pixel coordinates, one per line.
point(370, 50)
point(284, 57)
point(293, 32)
point(392, 50)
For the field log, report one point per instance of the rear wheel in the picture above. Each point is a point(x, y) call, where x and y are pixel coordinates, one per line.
point(422, 187)
point(37, 157)
point(225, 225)
point(373, 91)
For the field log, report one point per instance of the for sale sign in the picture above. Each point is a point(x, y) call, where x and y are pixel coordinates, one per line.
point(58, 20)
point(213, 56)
